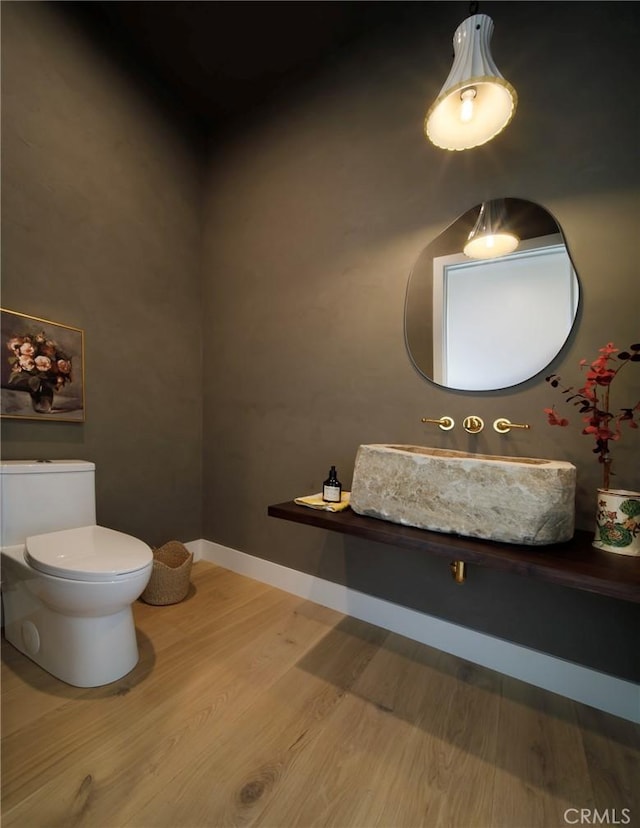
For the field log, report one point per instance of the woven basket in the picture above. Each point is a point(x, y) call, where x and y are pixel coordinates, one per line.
point(169, 582)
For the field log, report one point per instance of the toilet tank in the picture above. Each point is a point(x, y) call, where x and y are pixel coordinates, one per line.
point(39, 496)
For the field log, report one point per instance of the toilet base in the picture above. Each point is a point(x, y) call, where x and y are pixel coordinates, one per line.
point(82, 651)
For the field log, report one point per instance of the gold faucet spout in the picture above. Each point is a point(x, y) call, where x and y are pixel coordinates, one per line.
point(473, 424)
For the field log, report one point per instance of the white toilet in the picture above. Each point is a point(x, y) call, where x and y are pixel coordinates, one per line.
point(67, 584)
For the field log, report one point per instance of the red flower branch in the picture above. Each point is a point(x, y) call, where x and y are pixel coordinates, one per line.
point(592, 401)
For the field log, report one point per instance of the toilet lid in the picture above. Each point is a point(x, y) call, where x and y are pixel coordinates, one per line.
point(88, 553)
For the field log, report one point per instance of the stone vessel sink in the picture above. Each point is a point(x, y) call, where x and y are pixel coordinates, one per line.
point(509, 499)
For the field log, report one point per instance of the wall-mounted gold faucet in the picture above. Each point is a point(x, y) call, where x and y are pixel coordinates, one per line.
point(473, 424)
point(445, 423)
point(503, 426)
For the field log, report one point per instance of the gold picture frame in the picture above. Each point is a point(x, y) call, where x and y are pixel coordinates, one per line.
point(41, 370)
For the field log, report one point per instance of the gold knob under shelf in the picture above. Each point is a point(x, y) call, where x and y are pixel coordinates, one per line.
point(473, 424)
point(445, 423)
point(458, 570)
point(503, 426)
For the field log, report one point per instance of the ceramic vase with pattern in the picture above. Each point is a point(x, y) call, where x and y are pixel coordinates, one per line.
point(618, 522)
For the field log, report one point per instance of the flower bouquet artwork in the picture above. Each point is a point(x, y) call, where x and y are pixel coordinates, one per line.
point(618, 512)
point(42, 371)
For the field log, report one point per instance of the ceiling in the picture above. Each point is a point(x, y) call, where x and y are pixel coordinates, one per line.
point(217, 60)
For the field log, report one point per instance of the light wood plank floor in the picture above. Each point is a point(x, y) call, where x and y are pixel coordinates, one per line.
point(251, 707)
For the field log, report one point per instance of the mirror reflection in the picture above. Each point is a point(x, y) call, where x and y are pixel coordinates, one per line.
point(487, 323)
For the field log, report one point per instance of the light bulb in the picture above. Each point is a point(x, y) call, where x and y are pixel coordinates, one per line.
point(466, 110)
point(491, 247)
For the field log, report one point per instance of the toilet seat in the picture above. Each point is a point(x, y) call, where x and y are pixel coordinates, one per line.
point(88, 553)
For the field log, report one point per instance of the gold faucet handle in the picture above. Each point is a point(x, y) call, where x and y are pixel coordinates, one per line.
point(503, 426)
point(445, 423)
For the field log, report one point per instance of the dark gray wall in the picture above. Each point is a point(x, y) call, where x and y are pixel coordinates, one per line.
point(314, 217)
point(101, 231)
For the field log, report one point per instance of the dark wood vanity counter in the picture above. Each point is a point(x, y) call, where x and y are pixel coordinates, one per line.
point(575, 564)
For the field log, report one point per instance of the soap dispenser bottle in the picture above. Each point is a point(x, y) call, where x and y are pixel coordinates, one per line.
point(332, 487)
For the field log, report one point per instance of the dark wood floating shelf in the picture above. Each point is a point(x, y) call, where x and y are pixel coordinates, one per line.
point(575, 564)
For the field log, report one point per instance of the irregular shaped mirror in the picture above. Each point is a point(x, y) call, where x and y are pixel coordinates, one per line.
point(482, 324)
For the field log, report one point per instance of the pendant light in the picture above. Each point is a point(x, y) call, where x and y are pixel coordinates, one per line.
point(476, 102)
point(491, 236)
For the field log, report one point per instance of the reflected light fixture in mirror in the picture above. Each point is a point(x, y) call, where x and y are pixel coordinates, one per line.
point(491, 236)
point(476, 102)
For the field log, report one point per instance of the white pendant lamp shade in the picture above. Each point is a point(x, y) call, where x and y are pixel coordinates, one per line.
point(490, 236)
point(476, 102)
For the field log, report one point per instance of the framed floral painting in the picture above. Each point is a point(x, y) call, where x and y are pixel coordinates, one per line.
point(42, 369)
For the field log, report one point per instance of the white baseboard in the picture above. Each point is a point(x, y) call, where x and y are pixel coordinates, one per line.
point(582, 684)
